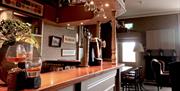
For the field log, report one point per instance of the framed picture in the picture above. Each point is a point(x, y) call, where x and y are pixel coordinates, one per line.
point(54, 41)
point(68, 52)
point(69, 39)
point(71, 27)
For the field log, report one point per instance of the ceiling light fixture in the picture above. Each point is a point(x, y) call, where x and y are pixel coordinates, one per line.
point(104, 16)
point(106, 4)
point(68, 24)
point(91, 2)
point(89, 5)
point(82, 23)
point(98, 11)
point(1, 9)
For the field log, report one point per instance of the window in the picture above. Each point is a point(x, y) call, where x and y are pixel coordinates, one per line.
point(128, 55)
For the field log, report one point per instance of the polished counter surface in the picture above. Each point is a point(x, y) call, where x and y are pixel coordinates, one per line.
point(61, 79)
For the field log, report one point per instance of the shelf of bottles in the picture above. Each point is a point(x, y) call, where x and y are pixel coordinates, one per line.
point(36, 28)
point(37, 32)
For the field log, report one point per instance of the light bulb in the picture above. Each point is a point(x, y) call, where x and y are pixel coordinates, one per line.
point(104, 16)
point(92, 2)
point(82, 23)
point(106, 4)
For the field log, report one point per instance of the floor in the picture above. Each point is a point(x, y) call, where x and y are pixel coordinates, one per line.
point(154, 88)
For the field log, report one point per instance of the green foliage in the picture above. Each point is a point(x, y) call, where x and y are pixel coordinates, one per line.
point(10, 29)
point(14, 30)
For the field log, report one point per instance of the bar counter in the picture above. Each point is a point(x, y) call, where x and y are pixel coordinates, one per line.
point(53, 81)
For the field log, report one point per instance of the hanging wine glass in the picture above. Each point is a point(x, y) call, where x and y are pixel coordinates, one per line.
point(16, 53)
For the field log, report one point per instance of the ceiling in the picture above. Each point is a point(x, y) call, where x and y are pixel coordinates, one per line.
point(140, 8)
point(107, 11)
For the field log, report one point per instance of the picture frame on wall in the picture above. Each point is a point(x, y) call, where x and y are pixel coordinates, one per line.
point(69, 39)
point(71, 27)
point(54, 41)
point(68, 52)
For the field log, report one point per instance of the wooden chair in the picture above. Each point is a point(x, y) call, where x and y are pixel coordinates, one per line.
point(132, 80)
point(175, 75)
point(141, 78)
point(158, 73)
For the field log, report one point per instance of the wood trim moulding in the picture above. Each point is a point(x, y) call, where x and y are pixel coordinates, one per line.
point(26, 6)
point(46, 21)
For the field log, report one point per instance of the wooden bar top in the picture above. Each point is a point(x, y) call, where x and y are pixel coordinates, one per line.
point(56, 80)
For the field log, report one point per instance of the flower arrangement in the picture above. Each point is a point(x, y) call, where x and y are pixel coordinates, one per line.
point(15, 30)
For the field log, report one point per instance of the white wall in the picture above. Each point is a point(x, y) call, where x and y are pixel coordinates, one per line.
point(54, 53)
point(161, 39)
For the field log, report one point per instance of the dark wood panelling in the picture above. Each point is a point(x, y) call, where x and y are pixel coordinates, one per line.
point(106, 31)
point(92, 29)
point(153, 22)
point(66, 14)
point(54, 3)
point(73, 13)
point(50, 13)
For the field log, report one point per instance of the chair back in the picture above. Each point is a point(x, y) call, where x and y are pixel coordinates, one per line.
point(156, 68)
point(134, 74)
point(162, 65)
point(141, 77)
point(174, 70)
point(132, 80)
